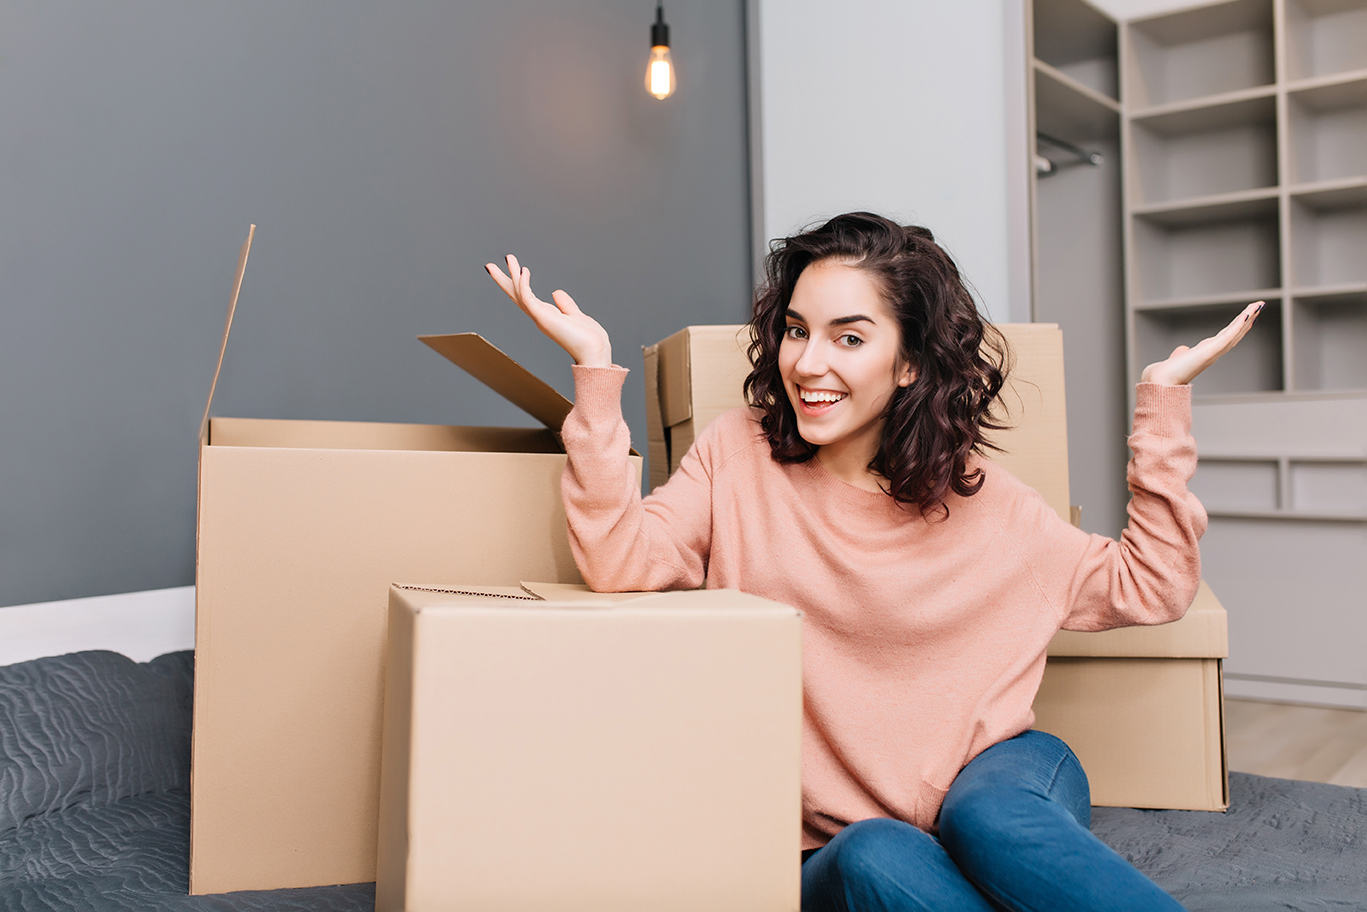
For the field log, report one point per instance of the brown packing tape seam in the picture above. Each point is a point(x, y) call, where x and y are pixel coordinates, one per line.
point(526, 598)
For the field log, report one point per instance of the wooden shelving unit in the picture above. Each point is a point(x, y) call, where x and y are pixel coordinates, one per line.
point(1244, 134)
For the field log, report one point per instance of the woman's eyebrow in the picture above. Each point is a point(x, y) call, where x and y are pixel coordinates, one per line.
point(838, 321)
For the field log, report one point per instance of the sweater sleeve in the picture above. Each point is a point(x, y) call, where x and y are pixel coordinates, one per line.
point(1151, 574)
point(621, 541)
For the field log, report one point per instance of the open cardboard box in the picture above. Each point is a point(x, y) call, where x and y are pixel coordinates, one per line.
point(553, 748)
point(1143, 706)
point(302, 527)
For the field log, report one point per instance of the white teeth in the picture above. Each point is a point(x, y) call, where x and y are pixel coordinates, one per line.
point(821, 396)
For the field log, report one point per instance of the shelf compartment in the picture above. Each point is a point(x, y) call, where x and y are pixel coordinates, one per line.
point(1076, 39)
point(1325, 36)
point(1329, 130)
point(1071, 111)
point(1328, 488)
point(1201, 151)
point(1204, 51)
point(1329, 336)
point(1222, 249)
point(1253, 366)
point(1237, 485)
point(1329, 235)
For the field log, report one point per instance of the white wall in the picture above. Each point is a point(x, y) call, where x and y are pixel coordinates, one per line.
point(141, 625)
point(910, 109)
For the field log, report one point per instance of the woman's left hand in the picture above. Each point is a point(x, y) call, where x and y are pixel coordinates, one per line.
point(1185, 363)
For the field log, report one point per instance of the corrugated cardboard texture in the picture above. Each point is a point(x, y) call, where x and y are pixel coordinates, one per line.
point(1149, 732)
point(638, 755)
point(700, 371)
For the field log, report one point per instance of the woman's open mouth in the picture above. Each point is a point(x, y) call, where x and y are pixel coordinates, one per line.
point(815, 402)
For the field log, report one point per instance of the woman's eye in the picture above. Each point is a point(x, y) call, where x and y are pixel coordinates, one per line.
point(850, 341)
point(795, 332)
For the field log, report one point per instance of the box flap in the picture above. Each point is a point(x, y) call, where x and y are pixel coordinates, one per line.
point(490, 366)
point(227, 326)
point(1202, 634)
point(576, 592)
point(702, 366)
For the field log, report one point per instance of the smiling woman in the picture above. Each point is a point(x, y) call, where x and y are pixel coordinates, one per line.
point(856, 489)
point(841, 362)
point(941, 365)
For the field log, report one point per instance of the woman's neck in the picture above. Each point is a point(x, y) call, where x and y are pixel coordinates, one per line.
point(850, 463)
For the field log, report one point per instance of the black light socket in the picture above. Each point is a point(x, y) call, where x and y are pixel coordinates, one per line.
point(659, 32)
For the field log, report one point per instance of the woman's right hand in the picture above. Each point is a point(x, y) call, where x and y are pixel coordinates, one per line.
point(568, 326)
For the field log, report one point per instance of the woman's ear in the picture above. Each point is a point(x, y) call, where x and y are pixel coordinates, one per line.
point(906, 376)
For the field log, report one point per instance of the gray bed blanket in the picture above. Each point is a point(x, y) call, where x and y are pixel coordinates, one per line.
point(94, 792)
point(94, 811)
point(1283, 845)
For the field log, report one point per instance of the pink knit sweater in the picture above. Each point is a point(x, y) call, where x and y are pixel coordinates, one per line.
point(923, 641)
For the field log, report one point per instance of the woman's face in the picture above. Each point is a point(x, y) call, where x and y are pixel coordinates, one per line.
point(840, 359)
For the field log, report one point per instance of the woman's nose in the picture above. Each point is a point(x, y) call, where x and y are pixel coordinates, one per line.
point(812, 362)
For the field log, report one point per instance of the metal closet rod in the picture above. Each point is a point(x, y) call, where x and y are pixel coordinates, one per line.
point(1092, 158)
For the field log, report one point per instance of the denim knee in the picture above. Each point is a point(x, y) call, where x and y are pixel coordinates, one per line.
point(999, 794)
point(863, 850)
point(886, 864)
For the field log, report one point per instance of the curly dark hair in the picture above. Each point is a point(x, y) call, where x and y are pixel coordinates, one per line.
point(961, 362)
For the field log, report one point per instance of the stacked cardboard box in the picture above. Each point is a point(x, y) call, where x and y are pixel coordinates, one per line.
point(583, 751)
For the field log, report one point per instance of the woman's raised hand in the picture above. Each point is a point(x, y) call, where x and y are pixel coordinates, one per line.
point(1185, 363)
point(568, 326)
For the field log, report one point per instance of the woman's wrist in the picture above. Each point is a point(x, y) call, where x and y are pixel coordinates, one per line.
point(599, 358)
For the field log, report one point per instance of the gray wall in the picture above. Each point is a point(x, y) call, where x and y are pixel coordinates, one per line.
point(386, 152)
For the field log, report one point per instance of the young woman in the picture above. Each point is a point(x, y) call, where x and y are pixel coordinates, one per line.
point(856, 489)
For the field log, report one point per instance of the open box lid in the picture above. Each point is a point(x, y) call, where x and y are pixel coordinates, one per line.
point(469, 351)
point(484, 361)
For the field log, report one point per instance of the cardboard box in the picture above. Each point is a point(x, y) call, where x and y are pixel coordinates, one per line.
point(302, 527)
point(590, 752)
point(696, 374)
point(1142, 707)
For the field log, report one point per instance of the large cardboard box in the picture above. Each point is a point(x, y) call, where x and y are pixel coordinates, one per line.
point(590, 752)
point(1142, 707)
point(302, 527)
point(696, 374)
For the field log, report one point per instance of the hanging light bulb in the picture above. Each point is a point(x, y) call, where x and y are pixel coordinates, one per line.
point(660, 69)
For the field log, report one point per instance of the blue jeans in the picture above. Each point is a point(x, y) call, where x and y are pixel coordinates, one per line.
point(1013, 835)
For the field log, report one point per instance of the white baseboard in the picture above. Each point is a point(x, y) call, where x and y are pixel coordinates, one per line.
point(141, 625)
point(1311, 693)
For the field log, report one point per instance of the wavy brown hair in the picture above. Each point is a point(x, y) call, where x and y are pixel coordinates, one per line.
point(961, 362)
